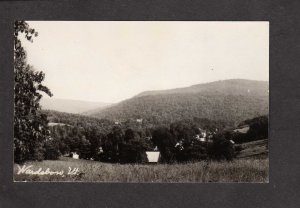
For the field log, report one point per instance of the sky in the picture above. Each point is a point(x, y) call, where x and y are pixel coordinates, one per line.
point(109, 61)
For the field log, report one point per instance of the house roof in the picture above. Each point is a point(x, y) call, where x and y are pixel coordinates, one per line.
point(243, 129)
point(153, 156)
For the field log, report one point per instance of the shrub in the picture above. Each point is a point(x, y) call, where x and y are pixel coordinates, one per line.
point(221, 148)
point(51, 150)
point(134, 152)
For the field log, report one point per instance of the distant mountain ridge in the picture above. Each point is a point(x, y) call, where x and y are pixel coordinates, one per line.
point(230, 86)
point(70, 106)
point(232, 101)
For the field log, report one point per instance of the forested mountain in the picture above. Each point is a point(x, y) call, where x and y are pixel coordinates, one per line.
point(225, 87)
point(77, 120)
point(231, 101)
point(70, 106)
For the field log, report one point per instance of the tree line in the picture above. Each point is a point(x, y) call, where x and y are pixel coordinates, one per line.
point(128, 144)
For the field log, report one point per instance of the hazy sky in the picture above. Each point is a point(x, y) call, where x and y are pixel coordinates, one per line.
point(113, 61)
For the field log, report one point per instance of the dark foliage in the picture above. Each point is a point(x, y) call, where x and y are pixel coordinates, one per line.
point(221, 148)
point(71, 119)
point(52, 149)
point(30, 125)
point(133, 152)
point(128, 141)
point(194, 151)
point(229, 102)
point(165, 142)
point(258, 129)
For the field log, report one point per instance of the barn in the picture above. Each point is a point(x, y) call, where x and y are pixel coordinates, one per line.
point(153, 156)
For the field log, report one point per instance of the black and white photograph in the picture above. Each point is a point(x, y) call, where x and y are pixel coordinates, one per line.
point(141, 101)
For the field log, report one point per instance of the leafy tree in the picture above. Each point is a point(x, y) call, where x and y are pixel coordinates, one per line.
point(84, 148)
point(95, 138)
point(195, 151)
point(183, 131)
point(258, 129)
point(133, 150)
point(131, 135)
point(30, 125)
point(52, 149)
point(112, 144)
point(188, 147)
point(221, 147)
point(165, 142)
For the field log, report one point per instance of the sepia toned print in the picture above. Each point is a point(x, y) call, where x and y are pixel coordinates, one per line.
point(142, 102)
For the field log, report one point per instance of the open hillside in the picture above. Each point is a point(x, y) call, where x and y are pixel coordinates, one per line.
point(254, 149)
point(230, 100)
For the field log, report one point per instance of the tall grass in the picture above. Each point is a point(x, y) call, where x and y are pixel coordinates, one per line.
point(242, 170)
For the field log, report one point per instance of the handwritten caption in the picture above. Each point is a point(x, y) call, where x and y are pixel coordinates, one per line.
point(28, 170)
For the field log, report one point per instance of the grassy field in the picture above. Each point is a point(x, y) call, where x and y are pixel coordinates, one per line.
point(241, 170)
point(255, 149)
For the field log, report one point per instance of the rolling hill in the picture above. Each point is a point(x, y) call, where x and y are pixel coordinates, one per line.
point(70, 106)
point(230, 100)
point(225, 87)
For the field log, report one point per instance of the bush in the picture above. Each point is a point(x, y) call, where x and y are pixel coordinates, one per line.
point(258, 129)
point(51, 150)
point(133, 152)
point(221, 148)
point(165, 142)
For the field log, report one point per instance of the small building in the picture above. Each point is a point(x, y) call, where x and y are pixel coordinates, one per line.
point(75, 155)
point(153, 156)
point(100, 150)
point(202, 139)
point(139, 120)
point(242, 129)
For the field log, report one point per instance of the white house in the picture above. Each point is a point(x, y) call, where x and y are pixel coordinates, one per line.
point(242, 129)
point(202, 139)
point(100, 149)
point(75, 155)
point(139, 120)
point(153, 156)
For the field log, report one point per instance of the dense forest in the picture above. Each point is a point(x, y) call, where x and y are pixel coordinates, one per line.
point(226, 87)
point(105, 124)
point(232, 101)
point(165, 109)
point(127, 142)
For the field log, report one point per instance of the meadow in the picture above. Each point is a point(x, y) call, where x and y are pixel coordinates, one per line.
point(239, 170)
